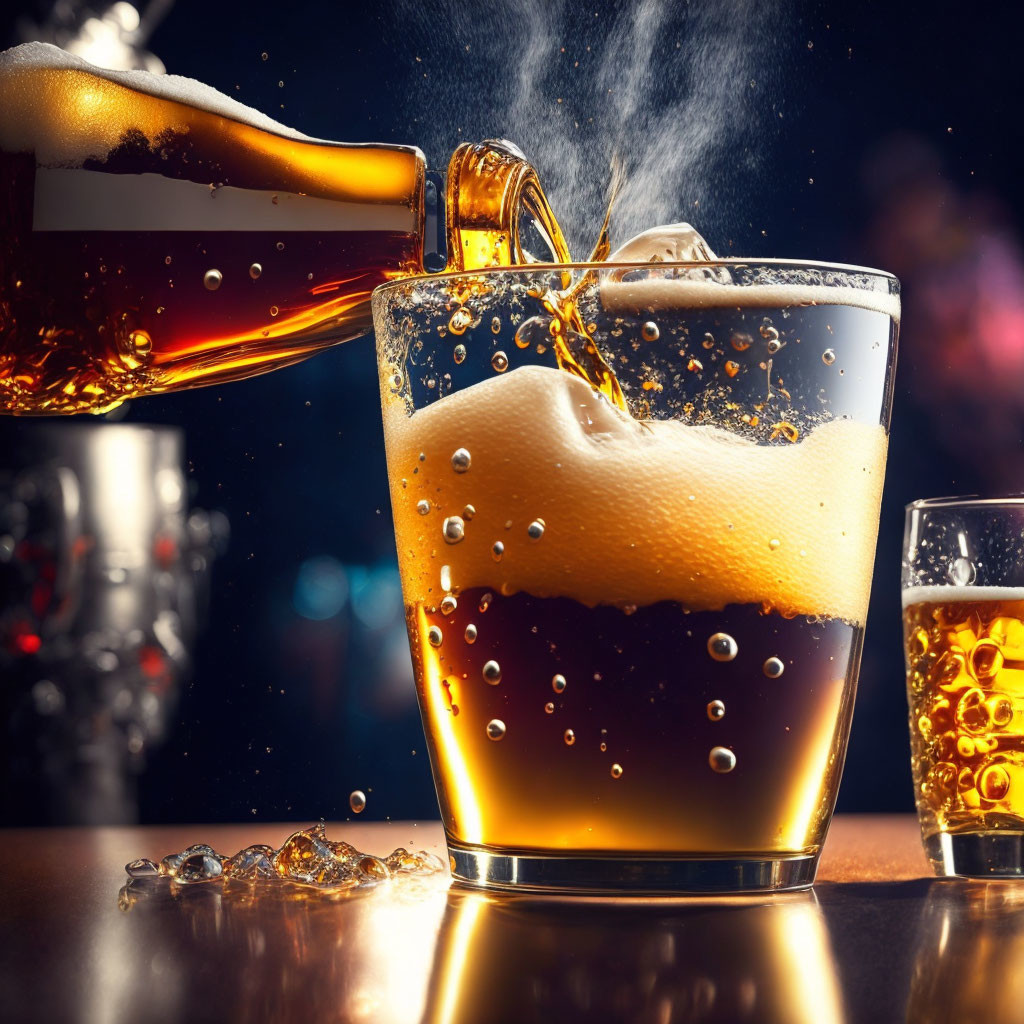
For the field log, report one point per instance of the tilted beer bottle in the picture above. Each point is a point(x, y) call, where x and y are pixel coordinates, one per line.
point(156, 235)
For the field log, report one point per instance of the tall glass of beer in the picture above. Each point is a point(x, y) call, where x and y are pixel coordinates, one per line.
point(635, 508)
point(963, 626)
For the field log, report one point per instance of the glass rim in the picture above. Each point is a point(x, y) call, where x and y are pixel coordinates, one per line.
point(725, 261)
point(966, 501)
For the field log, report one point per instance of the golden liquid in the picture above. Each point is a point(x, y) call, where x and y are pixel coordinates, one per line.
point(91, 317)
point(616, 759)
point(965, 680)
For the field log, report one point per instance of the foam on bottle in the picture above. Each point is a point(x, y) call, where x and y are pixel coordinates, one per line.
point(959, 595)
point(633, 513)
point(23, 69)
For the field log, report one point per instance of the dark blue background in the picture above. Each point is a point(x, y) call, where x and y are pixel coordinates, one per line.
point(285, 715)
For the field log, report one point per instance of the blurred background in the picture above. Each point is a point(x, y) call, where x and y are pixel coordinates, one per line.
point(858, 133)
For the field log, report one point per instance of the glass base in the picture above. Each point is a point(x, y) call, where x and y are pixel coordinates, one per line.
point(557, 873)
point(977, 854)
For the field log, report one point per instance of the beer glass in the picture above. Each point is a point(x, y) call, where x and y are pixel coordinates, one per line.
point(963, 625)
point(635, 508)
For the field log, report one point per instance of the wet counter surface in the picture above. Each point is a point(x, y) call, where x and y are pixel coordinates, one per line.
point(877, 940)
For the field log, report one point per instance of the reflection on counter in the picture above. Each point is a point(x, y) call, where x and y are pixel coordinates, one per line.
point(103, 579)
point(970, 948)
point(529, 958)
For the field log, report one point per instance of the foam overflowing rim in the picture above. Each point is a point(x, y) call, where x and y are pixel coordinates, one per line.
point(734, 262)
point(966, 501)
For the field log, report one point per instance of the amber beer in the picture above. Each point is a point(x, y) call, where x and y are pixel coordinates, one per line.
point(157, 235)
point(636, 632)
point(965, 680)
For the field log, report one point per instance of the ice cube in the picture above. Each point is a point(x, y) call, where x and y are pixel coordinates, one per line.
point(669, 243)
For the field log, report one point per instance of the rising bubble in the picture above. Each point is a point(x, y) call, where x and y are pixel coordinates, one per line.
point(454, 529)
point(536, 529)
point(828, 357)
point(212, 280)
point(499, 361)
point(497, 550)
point(495, 729)
point(649, 331)
point(492, 673)
point(558, 684)
point(255, 270)
point(448, 604)
point(722, 760)
point(461, 460)
point(470, 634)
point(423, 506)
point(716, 710)
point(616, 771)
point(357, 801)
point(722, 647)
point(459, 355)
point(549, 708)
point(773, 668)
point(435, 636)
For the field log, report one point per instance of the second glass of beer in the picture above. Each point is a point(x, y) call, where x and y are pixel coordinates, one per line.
point(636, 510)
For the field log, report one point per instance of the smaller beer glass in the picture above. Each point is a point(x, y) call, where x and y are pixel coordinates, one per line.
point(963, 626)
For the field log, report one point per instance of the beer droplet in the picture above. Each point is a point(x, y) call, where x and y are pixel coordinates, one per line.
point(649, 331)
point(212, 280)
point(459, 355)
point(616, 771)
point(435, 636)
point(549, 708)
point(448, 604)
point(423, 506)
point(471, 634)
point(569, 736)
point(255, 270)
point(722, 647)
point(357, 801)
point(722, 760)
point(468, 512)
point(499, 361)
point(716, 710)
point(828, 357)
point(495, 729)
point(497, 550)
point(773, 668)
point(558, 684)
point(141, 342)
point(461, 460)
point(536, 529)
point(454, 529)
point(492, 673)
point(485, 601)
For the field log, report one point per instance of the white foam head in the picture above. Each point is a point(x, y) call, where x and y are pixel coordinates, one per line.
point(27, 124)
point(959, 595)
point(633, 513)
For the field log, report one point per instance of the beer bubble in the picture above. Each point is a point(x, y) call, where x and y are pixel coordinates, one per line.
point(828, 357)
point(470, 634)
point(649, 331)
point(558, 684)
point(722, 760)
point(716, 710)
point(616, 771)
point(773, 668)
point(569, 736)
point(435, 636)
point(773, 346)
point(496, 325)
point(168, 260)
point(722, 647)
point(264, 55)
point(357, 801)
point(468, 512)
point(492, 673)
point(460, 320)
point(994, 782)
point(454, 529)
point(279, 246)
point(141, 342)
point(448, 604)
point(499, 361)
point(962, 572)
point(459, 355)
point(446, 578)
point(495, 729)
point(395, 382)
point(774, 543)
point(536, 529)
point(769, 333)
point(604, 747)
point(536, 329)
point(142, 868)
point(709, 340)
point(274, 310)
point(485, 601)
point(461, 460)
point(212, 280)
point(497, 550)
point(423, 506)
point(739, 341)
point(255, 270)
point(422, 456)
point(549, 708)
point(731, 368)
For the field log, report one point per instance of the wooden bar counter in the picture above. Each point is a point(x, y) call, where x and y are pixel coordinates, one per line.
point(878, 939)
